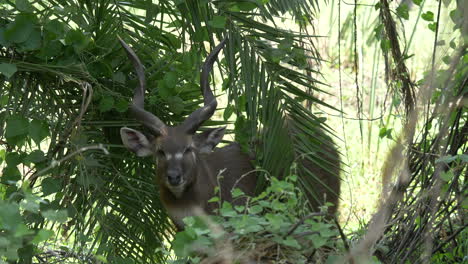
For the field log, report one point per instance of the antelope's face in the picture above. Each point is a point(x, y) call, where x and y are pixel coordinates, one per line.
point(175, 148)
point(177, 153)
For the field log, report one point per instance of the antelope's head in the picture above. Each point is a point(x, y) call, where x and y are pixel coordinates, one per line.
point(177, 149)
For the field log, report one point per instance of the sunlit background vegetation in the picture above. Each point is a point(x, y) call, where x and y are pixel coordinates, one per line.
point(386, 80)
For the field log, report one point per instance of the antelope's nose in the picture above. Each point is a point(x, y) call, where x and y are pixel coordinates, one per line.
point(174, 177)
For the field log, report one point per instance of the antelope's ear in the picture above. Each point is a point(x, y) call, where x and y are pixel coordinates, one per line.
point(135, 141)
point(207, 140)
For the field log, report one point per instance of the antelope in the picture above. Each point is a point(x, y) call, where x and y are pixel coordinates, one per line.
point(188, 163)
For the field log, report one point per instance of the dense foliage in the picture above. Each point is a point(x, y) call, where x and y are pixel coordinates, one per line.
point(70, 193)
point(66, 84)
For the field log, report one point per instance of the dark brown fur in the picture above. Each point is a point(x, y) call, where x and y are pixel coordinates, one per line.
point(228, 159)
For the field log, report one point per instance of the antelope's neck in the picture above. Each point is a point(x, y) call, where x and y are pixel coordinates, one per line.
point(194, 198)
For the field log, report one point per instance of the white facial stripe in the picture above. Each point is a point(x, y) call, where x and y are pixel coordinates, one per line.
point(179, 155)
point(168, 156)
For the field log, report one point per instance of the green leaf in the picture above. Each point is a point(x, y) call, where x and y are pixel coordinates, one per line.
point(214, 200)
point(428, 16)
point(237, 192)
point(446, 159)
point(403, 11)
point(170, 80)
point(57, 216)
point(56, 27)
point(317, 241)
point(42, 235)
point(246, 6)
point(463, 158)
point(19, 30)
point(256, 209)
point(50, 185)
point(291, 242)
point(3, 40)
point(36, 156)
point(446, 176)
point(10, 174)
point(227, 210)
point(218, 22)
point(30, 204)
point(176, 104)
point(24, 5)
point(228, 111)
point(4, 98)
point(16, 129)
point(23, 230)
point(38, 130)
point(385, 45)
point(77, 39)
point(10, 216)
point(417, 2)
point(106, 103)
point(119, 77)
point(14, 158)
point(33, 42)
point(432, 26)
point(8, 70)
point(121, 105)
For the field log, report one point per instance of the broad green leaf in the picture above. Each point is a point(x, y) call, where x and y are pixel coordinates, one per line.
point(170, 79)
point(8, 70)
point(237, 192)
point(56, 27)
point(10, 215)
point(402, 11)
point(227, 210)
point(77, 39)
point(317, 241)
point(16, 126)
point(10, 174)
point(119, 77)
point(33, 42)
point(24, 5)
point(106, 103)
point(446, 176)
point(19, 30)
point(228, 111)
point(14, 158)
point(35, 156)
point(446, 159)
point(428, 16)
point(57, 216)
point(3, 40)
point(214, 200)
point(417, 2)
point(432, 26)
point(291, 242)
point(30, 204)
point(176, 104)
point(16, 129)
point(246, 6)
point(38, 130)
point(218, 22)
point(462, 157)
point(4, 98)
point(42, 235)
point(164, 90)
point(256, 209)
point(121, 105)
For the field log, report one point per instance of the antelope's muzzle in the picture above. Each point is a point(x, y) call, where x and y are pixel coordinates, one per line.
point(174, 177)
